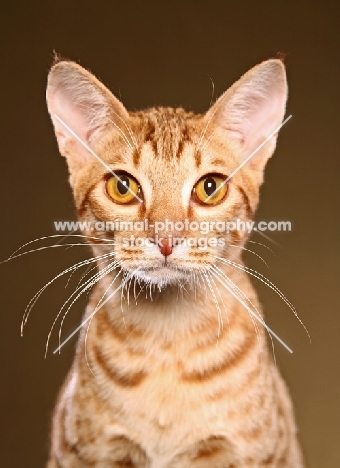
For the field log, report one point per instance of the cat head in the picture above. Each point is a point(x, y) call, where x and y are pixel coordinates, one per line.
point(159, 179)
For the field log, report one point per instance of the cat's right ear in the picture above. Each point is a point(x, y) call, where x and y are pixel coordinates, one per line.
point(77, 98)
point(251, 110)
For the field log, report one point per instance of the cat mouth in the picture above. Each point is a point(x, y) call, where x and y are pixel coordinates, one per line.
point(162, 274)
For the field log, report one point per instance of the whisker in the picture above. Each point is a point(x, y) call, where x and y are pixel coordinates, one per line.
point(134, 289)
point(208, 139)
point(198, 146)
point(218, 292)
point(132, 136)
point(91, 282)
point(125, 279)
point(85, 349)
point(258, 276)
point(252, 252)
point(241, 294)
point(235, 287)
point(90, 321)
point(88, 270)
point(220, 320)
point(212, 90)
point(84, 287)
point(90, 316)
point(121, 132)
point(51, 247)
point(263, 245)
point(127, 276)
point(268, 283)
point(35, 298)
point(53, 236)
point(141, 287)
point(269, 330)
point(66, 236)
point(127, 286)
point(267, 237)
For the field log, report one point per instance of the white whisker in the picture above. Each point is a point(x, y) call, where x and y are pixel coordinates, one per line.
point(51, 247)
point(220, 320)
point(253, 314)
point(208, 139)
point(268, 283)
point(90, 321)
point(84, 287)
point(91, 282)
point(62, 236)
point(91, 315)
point(121, 132)
point(128, 128)
point(88, 269)
point(263, 245)
point(268, 238)
point(85, 345)
point(209, 272)
point(240, 294)
point(35, 298)
point(252, 252)
point(198, 146)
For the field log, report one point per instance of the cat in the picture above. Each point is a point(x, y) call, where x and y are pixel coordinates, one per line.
point(173, 371)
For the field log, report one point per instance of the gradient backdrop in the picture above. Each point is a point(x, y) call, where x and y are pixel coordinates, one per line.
point(166, 53)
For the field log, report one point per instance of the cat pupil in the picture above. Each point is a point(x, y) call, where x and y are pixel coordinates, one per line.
point(209, 186)
point(123, 185)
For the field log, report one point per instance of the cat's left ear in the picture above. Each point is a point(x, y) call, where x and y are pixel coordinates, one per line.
point(85, 105)
point(250, 110)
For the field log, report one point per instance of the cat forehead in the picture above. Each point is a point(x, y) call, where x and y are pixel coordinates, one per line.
point(169, 137)
point(166, 130)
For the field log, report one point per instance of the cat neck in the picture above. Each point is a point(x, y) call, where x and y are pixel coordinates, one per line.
point(175, 310)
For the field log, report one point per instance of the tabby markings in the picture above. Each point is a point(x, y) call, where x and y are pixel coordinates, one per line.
point(116, 375)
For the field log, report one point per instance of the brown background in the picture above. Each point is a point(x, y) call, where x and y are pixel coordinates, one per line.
point(152, 53)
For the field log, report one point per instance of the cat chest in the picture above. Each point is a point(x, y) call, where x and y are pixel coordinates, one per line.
point(164, 413)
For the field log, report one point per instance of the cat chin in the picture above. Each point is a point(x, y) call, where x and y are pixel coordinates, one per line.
point(161, 276)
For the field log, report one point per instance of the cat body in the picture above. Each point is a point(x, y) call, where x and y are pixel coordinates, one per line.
point(172, 371)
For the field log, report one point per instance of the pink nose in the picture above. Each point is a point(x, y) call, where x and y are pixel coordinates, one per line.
point(165, 246)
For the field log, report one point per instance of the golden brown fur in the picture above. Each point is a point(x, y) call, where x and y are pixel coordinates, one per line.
point(162, 382)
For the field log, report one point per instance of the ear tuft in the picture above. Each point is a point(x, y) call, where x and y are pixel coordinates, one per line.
point(281, 56)
point(57, 57)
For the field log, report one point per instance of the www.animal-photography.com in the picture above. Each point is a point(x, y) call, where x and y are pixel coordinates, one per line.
point(170, 235)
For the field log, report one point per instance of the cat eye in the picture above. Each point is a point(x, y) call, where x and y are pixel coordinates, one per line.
point(122, 190)
point(213, 186)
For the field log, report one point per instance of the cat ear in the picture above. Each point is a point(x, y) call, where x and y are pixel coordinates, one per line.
point(85, 105)
point(251, 109)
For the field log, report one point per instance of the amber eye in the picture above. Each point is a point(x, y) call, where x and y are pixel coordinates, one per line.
point(211, 189)
point(122, 190)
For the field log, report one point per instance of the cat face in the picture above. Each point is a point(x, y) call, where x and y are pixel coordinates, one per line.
point(159, 178)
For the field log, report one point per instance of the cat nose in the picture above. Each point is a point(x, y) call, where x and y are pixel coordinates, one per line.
point(166, 244)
